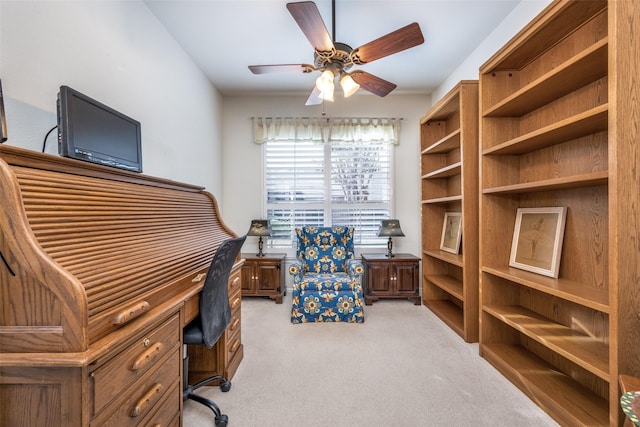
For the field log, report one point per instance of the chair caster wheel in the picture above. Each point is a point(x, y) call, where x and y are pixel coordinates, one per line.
point(222, 420)
point(225, 386)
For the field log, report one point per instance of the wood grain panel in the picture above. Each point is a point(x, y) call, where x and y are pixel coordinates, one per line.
point(114, 236)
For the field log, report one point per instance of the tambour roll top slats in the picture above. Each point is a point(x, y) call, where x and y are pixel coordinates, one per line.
point(123, 239)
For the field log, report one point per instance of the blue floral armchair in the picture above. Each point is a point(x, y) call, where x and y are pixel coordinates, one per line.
point(327, 280)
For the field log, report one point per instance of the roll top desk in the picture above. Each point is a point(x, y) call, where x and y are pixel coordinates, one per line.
point(100, 269)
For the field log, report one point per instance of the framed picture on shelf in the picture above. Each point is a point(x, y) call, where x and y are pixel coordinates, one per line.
point(3, 121)
point(451, 232)
point(537, 240)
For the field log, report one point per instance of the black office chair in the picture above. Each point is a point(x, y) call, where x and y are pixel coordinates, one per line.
point(213, 319)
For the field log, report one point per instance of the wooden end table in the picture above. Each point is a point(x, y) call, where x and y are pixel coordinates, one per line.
point(264, 276)
point(391, 277)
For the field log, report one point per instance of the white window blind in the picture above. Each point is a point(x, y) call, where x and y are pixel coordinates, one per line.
point(334, 183)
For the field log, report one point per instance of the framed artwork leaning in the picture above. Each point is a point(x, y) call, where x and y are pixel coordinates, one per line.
point(451, 232)
point(537, 240)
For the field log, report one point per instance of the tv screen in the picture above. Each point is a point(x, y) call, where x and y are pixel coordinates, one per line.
point(3, 123)
point(91, 131)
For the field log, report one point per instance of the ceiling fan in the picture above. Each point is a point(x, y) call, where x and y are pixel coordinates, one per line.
point(334, 59)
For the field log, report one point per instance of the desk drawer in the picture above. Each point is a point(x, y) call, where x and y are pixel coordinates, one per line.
point(233, 337)
point(234, 343)
point(235, 283)
point(146, 395)
point(233, 352)
point(168, 413)
point(235, 302)
point(110, 380)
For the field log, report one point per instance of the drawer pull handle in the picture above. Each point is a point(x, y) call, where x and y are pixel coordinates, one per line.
point(147, 400)
point(131, 313)
point(198, 278)
point(235, 346)
point(234, 325)
point(147, 357)
point(235, 303)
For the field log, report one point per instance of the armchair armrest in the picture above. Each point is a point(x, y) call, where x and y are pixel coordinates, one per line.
point(355, 268)
point(295, 270)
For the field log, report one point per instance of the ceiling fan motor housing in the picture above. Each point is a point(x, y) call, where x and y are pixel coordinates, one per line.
point(337, 59)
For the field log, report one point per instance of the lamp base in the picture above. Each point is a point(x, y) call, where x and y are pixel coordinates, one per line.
point(260, 253)
point(389, 248)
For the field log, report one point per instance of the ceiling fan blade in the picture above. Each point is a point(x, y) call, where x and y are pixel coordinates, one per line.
point(310, 22)
point(314, 97)
point(281, 68)
point(373, 84)
point(399, 40)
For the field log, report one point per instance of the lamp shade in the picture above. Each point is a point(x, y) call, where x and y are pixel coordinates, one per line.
point(390, 228)
point(327, 94)
point(325, 82)
point(259, 227)
point(349, 86)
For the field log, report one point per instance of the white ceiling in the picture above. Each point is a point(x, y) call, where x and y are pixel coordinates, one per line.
point(224, 37)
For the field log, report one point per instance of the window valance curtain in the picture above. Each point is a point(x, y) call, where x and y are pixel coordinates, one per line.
point(287, 129)
point(343, 129)
point(364, 129)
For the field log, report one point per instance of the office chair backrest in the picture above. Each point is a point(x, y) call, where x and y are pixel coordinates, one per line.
point(215, 311)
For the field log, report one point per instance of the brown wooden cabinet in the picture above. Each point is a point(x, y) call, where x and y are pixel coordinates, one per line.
point(264, 276)
point(449, 161)
point(391, 277)
point(225, 357)
point(559, 127)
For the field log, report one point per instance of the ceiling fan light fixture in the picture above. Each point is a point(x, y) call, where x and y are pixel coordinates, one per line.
point(349, 86)
point(325, 81)
point(327, 94)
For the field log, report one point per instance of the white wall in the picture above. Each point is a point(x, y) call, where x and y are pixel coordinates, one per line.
point(242, 189)
point(118, 53)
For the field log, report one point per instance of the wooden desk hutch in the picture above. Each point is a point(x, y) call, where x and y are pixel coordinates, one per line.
point(100, 269)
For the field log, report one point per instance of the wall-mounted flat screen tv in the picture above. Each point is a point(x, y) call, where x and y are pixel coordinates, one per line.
point(3, 123)
point(91, 131)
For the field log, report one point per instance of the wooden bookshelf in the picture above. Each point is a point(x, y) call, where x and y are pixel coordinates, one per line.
point(557, 128)
point(449, 160)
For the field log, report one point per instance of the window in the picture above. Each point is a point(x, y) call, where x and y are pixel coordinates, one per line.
point(308, 182)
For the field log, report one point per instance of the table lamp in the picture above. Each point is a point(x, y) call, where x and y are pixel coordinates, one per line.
point(390, 228)
point(259, 227)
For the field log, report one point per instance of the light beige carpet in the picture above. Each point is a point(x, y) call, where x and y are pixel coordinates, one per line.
point(402, 367)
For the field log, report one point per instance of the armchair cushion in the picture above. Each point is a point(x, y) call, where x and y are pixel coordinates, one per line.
point(324, 250)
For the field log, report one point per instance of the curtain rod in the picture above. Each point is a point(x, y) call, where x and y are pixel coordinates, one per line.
point(328, 118)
